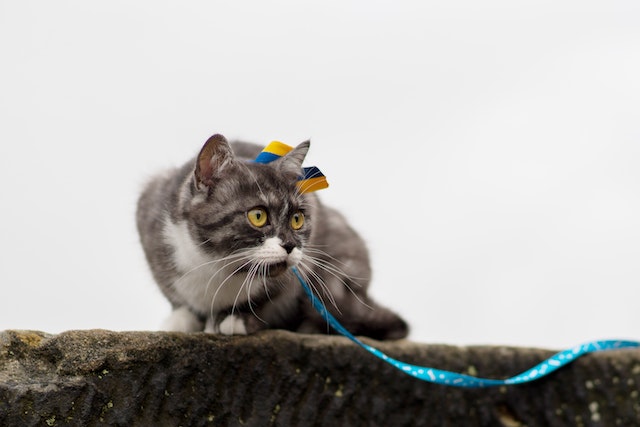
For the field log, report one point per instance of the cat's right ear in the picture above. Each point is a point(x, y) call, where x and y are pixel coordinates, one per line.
point(215, 156)
point(292, 161)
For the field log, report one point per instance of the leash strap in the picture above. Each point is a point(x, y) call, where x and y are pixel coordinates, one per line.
point(438, 376)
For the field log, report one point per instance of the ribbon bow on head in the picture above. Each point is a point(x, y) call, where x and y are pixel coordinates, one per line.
point(312, 179)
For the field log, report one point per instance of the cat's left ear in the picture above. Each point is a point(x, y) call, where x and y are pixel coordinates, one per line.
point(215, 156)
point(292, 161)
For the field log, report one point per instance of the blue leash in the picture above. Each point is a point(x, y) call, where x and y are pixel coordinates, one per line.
point(438, 376)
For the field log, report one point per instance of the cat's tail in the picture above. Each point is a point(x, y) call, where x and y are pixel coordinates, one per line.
point(376, 322)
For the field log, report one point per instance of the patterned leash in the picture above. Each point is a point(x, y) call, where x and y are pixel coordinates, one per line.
point(438, 376)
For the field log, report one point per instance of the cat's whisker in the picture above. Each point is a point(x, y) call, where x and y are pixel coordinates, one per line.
point(300, 198)
point(314, 276)
point(304, 269)
point(312, 279)
point(221, 285)
point(337, 269)
point(244, 286)
point(204, 243)
point(242, 260)
point(265, 286)
point(255, 271)
point(330, 267)
point(316, 249)
point(338, 274)
point(234, 255)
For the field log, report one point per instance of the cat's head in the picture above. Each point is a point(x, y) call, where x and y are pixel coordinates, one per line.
point(249, 214)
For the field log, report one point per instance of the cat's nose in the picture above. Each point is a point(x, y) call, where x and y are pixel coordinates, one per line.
point(288, 246)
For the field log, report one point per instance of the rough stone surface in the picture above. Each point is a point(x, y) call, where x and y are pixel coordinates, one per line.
point(284, 379)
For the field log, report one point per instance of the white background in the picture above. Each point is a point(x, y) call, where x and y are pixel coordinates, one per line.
point(488, 151)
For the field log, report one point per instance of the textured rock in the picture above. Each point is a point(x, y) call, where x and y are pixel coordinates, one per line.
point(283, 379)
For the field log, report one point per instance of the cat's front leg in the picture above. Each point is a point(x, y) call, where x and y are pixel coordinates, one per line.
point(182, 319)
point(233, 324)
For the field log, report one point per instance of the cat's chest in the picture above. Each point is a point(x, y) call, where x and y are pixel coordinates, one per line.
point(202, 281)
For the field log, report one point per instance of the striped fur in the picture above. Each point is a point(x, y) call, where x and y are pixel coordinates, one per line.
point(223, 274)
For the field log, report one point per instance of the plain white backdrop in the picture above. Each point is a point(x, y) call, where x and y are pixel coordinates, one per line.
point(489, 151)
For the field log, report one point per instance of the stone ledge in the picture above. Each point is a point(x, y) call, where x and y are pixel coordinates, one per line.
point(284, 379)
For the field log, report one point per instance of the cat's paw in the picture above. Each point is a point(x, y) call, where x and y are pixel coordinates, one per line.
point(230, 325)
point(182, 320)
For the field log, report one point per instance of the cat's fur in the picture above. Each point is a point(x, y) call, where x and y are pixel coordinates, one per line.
point(225, 275)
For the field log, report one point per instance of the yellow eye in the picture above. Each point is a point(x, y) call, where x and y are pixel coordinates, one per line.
point(297, 220)
point(257, 217)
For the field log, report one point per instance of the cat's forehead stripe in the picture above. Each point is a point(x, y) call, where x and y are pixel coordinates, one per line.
point(268, 185)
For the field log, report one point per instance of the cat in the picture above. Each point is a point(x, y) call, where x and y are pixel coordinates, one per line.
point(221, 233)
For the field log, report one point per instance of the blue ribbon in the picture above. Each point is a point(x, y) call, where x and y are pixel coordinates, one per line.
point(438, 376)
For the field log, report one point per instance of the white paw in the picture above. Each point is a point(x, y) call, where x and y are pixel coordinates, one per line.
point(232, 325)
point(182, 320)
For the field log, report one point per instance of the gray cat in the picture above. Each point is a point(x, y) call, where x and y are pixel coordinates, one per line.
point(221, 232)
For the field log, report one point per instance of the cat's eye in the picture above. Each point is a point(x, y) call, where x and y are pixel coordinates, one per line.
point(297, 220)
point(257, 217)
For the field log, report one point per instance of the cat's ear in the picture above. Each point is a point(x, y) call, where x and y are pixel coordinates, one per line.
point(215, 156)
point(292, 161)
